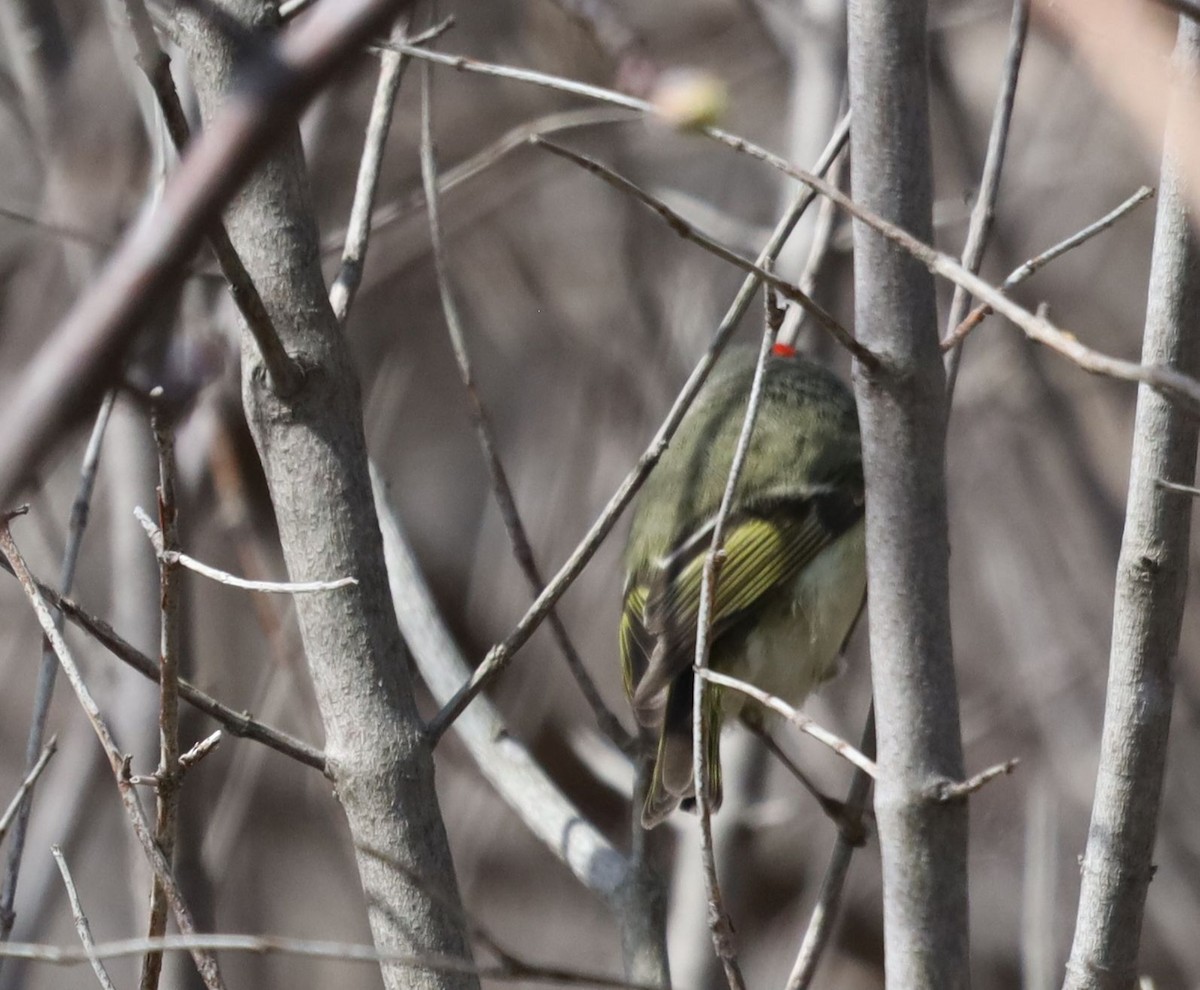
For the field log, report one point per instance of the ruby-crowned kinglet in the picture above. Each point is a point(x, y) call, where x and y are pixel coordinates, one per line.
point(794, 576)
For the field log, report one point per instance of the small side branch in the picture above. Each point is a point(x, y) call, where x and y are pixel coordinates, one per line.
point(174, 556)
point(358, 232)
point(798, 719)
point(983, 214)
point(963, 328)
point(820, 925)
point(947, 791)
point(509, 971)
point(48, 668)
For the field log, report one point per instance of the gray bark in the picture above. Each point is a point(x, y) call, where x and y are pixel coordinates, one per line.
point(1151, 587)
point(314, 455)
point(902, 410)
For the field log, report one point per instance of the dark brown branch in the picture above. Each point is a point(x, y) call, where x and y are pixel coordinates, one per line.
point(84, 352)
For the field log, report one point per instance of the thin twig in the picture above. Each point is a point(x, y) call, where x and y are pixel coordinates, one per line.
point(818, 252)
point(65, 231)
point(85, 351)
point(81, 922)
point(224, 577)
point(166, 822)
point(1039, 329)
point(983, 214)
point(358, 232)
point(820, 924)
point(1174, 486)
point(156, 66)
point(798, 719)
point(501, 489)
point(48, 668)
point(240, 724)
point(835, 811)
point(313, 949)
point(957, 790)
point(719, 922)
point(691, 233)
point(27, 785)
point(501, 654)
point(481, 161)
point(1022, 272)
point(206, 963)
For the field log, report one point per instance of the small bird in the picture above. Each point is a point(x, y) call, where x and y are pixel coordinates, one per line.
point(793, 580)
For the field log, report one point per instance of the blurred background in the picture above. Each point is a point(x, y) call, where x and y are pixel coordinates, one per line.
point(584, 315)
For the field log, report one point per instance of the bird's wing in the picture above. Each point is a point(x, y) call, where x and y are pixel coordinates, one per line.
point(764, 550)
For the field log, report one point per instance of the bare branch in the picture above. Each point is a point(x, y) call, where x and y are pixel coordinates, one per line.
point(500, 655)
point(156, 66)
point(240, 724)
point(314, 458)
point(48, 669)
point(1172, 486)
point(82, 355)
point(690, 233)
point(358, 231)
point(314, 949)
point(199, 751)
point(168, 775)
point(501, 489)
point(902, 414)
point(481, 161)
point(719, 922)
point(1036, 328)
point(798, 719)
point(983, 214)
point(820, 925)
point(81, 922)
point(206, 963)
point(27, 785)
point(224, 577)
point(1151, 589)
point(592, 859)
point(959, 331)
point(946, 791)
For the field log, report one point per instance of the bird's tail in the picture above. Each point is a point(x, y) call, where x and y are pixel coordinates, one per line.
point(673, 780)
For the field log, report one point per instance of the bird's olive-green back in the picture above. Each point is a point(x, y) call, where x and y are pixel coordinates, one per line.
point(805, 439)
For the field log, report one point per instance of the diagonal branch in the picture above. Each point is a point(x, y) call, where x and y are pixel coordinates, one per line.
point(983, 214)
point(501, 489)
point(82, 355)
point(501, 654)
point(156, 66)
point(206, 962)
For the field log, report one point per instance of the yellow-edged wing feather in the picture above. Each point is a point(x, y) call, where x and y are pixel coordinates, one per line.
point(762, 553)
